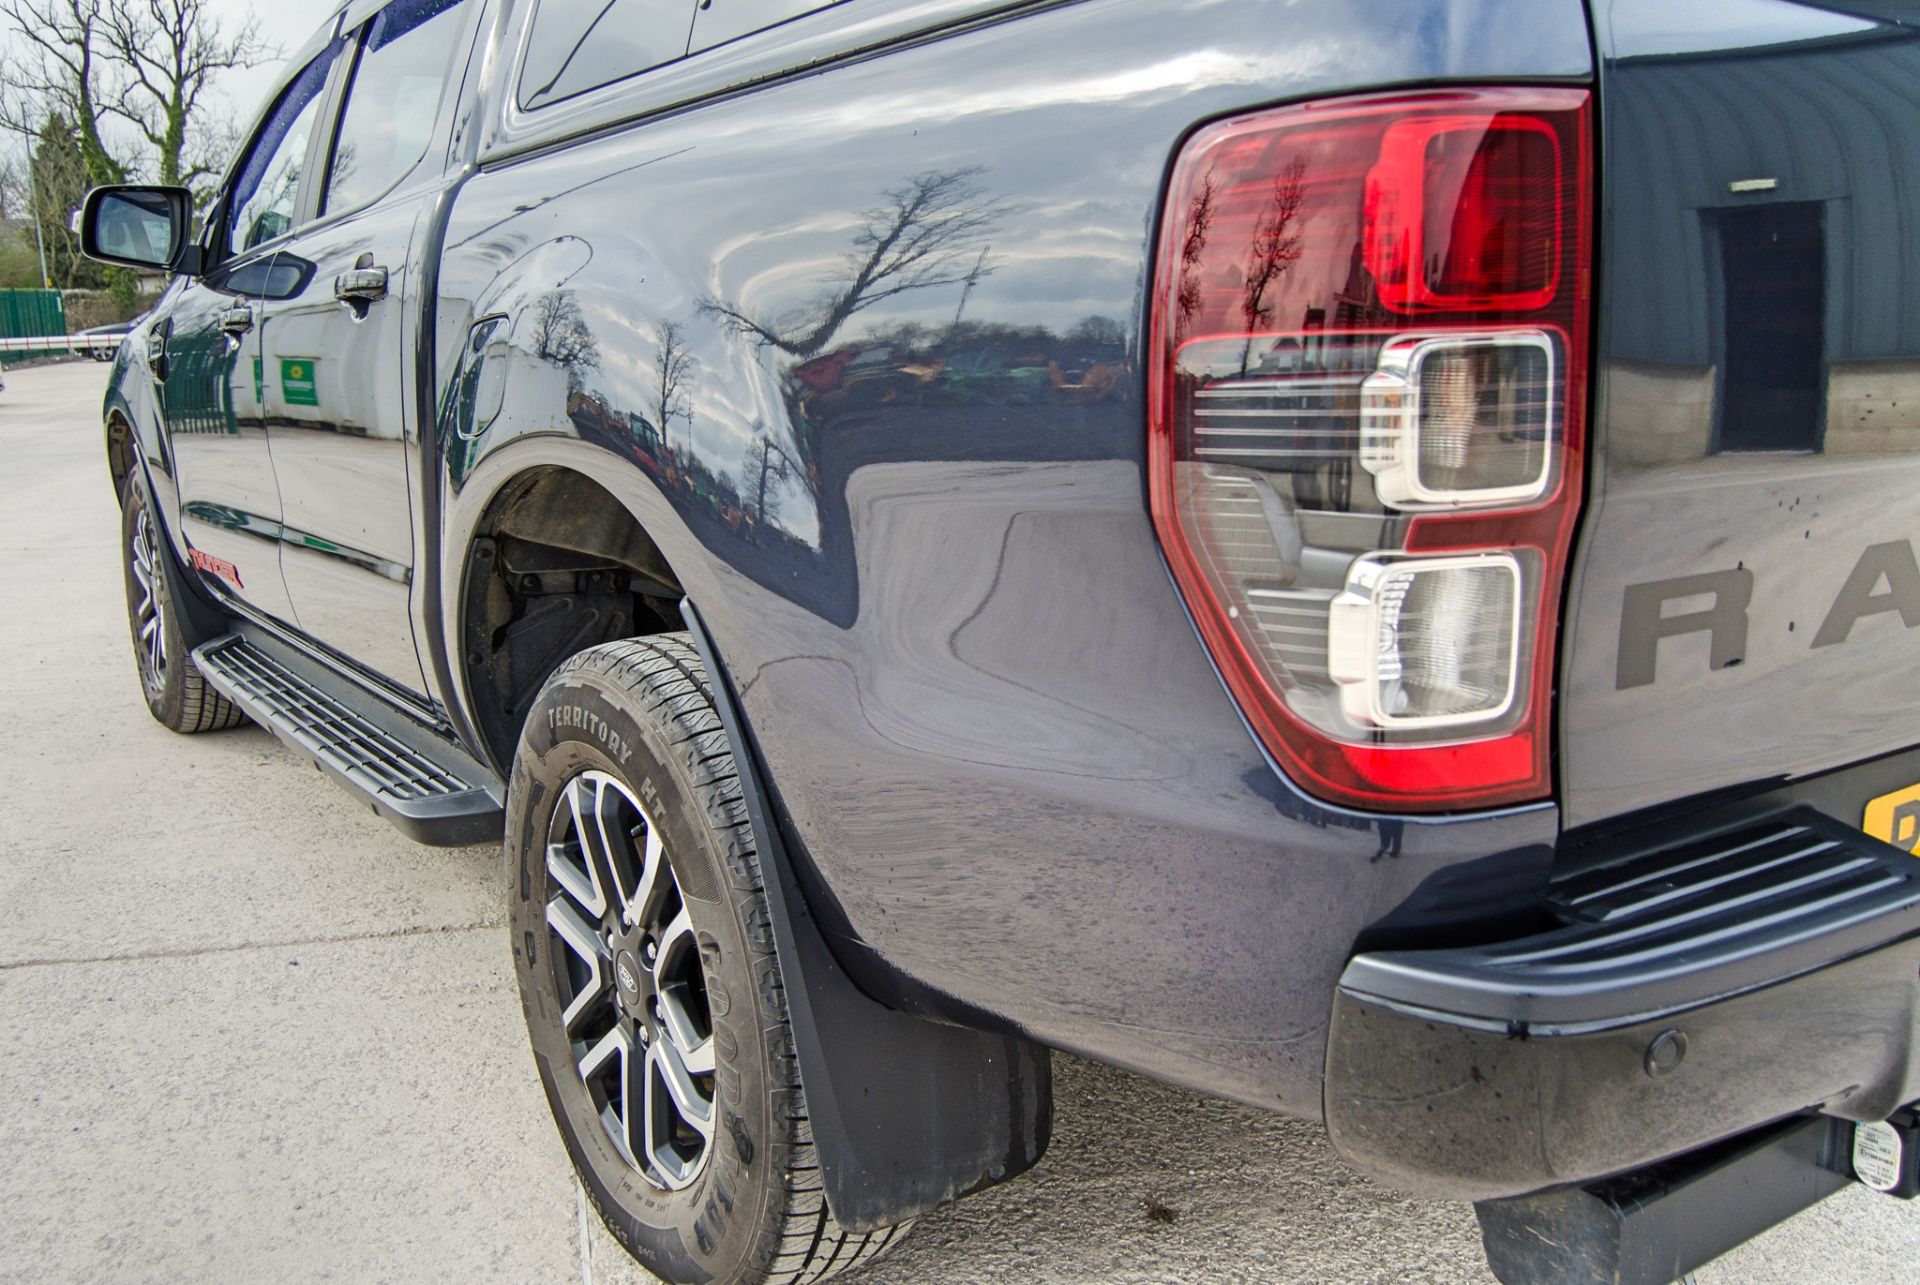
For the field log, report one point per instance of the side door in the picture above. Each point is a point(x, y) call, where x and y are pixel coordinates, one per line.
point(338, 381)
point(207, 357)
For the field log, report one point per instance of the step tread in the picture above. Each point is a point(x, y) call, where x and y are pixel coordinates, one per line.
point(407, 781)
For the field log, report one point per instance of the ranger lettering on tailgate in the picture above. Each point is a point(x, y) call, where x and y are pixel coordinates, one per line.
point(1885, 579)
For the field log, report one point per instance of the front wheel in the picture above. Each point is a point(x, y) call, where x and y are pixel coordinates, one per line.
point(648, 976)
point(177, 695)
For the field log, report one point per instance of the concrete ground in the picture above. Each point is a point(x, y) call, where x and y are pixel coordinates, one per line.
point(249, 1033)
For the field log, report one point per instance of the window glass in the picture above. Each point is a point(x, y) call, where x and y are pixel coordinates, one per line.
point(732, 19)
point(577, 45)
point(265, 197)
point(394, 99)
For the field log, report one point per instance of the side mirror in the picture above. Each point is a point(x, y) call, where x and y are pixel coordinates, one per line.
point(141, 227)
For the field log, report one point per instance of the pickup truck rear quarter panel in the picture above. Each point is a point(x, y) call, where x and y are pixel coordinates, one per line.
point(1757, 392)
point(916, 524)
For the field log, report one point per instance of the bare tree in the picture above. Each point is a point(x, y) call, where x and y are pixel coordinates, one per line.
point(1276, 246)
point(931, 232)
point(767, 467)
point(672, 368)
point(1192, 246)
point(561, 336)
point(61, 68)
point(168, 52)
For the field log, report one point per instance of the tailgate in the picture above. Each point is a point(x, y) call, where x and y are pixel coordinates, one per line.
point(1746, 597)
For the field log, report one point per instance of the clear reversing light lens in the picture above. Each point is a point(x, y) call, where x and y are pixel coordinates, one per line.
point(1459, 421)
point(1428, 642)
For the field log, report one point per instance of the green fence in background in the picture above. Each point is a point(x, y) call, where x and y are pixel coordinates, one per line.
point(28, 314)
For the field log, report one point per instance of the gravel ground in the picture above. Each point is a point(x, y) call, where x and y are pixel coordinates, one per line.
point(249, 1033)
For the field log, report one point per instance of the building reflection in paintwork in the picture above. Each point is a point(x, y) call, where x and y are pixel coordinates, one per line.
point(1763, 305)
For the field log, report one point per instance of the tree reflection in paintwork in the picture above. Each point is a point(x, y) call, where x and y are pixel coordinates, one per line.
point(921, 238)
point(888, 355)
point(560, 335)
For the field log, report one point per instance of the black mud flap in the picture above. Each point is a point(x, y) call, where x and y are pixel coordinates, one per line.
point(1655, 1226)
point(907, 1113)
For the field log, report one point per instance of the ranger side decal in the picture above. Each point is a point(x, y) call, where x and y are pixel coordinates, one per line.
point(1644, 620)
point(1892, 562)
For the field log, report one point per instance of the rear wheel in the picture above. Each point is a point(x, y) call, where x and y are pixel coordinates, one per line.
point(647, 972)
point(176, 693)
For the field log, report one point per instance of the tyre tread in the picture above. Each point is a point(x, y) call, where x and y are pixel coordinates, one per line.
point(663, 674)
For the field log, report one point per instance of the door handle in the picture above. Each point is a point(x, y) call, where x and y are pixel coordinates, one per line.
point(237, 321)
point(361, 285)
point(157, 349)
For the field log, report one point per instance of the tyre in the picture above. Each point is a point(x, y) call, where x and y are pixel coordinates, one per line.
point(163, 638)
point(646, 964)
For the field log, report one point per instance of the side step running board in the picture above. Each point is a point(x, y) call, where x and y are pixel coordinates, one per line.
point(407, 772)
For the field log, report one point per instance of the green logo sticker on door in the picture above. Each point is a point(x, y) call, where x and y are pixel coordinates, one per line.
point(297, 381)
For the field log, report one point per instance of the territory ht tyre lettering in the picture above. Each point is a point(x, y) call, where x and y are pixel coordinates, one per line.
point(647, 971)
point(162, 639)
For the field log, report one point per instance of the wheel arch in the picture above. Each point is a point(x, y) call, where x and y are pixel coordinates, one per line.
point(120, 448)
point(549, 552)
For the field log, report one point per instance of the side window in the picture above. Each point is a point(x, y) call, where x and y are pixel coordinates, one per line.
point(394, 99)
point(266, 195)
point(731, 19)
point(577, 45)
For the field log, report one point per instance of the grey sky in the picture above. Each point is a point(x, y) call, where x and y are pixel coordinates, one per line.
point(284, 23)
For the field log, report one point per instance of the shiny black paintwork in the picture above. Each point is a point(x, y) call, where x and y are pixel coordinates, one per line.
point(1720, 340)
point(918, 531)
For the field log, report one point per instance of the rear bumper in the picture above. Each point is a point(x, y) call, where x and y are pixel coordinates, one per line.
point(1690, 992)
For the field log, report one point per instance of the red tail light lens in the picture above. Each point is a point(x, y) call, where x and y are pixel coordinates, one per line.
point(1463, 212)
point(1367, 421)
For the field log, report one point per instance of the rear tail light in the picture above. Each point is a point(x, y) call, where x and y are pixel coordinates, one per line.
point(1367, 392)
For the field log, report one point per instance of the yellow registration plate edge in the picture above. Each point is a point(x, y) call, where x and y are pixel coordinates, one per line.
point(1895, 818)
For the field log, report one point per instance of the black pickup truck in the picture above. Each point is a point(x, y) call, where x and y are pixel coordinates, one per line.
point(1354, 555)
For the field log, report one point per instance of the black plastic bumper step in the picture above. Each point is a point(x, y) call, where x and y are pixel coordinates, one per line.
point(1681, 924)
point(409, 773)
point(1693, 987)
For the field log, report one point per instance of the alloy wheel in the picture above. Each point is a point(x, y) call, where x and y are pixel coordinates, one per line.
point(632, 988)
point(150, 613)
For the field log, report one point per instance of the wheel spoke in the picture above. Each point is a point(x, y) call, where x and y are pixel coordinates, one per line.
point(616, 1046)
point(676, 996)
point(694, 1106)
point(580, 938)
point(150, 615)
point(672, 1099)
point(653, 864)
point(581, 880)
point(694, 1049)
point(604, 849)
